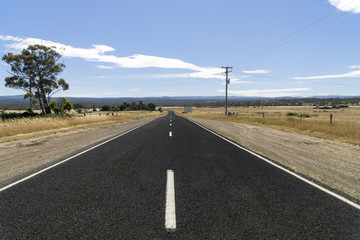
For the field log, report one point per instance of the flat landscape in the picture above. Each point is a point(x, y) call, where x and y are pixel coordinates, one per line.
point(180, 119)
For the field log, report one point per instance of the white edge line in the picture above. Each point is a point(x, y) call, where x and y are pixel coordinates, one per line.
point(170, 214)
point(69, 158)
point(351, 203)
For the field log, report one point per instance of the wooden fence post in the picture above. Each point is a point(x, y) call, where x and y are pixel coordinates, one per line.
point(331, 118)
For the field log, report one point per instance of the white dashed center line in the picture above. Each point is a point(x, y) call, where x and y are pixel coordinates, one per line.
point(170, 215)
point(170, 134)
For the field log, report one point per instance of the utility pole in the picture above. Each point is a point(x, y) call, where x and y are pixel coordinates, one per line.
point(226, 83)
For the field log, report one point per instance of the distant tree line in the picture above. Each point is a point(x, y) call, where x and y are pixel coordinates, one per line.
point(130, 107)
point(316, 102)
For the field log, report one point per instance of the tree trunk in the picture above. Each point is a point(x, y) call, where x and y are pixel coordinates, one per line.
point(46, 108)
point(46, 105)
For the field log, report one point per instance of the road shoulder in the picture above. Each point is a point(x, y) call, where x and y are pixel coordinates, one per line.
point(334, 164)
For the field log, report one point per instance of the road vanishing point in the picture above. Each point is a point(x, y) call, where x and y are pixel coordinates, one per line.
point(171, 179)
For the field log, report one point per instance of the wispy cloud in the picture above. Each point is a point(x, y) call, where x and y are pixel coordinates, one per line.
point(269, 92)
point(346, 5)
point(354, 67)
point(239, 81)
point(135, 90)
point(105, 67)
point(344, 75)
point(259, 71)
point(97, 53)
point(101, 77)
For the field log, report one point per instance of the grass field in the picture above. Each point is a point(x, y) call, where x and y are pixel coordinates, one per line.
point(16, 127)
point(345, 126)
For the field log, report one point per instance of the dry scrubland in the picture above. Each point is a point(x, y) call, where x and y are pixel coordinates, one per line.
point(345, 126)
point(18, 128)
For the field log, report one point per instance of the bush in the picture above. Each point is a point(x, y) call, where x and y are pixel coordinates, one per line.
point(6, 116)
point(78, 106)
point(291, 114)
point(303, 115)
point(151, 106)
point(105, 108)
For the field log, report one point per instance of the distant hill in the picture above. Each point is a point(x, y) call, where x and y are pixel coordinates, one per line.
point(17, 101)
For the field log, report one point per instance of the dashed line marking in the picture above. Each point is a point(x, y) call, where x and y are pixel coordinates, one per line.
point(170, 134)
point(170, 214)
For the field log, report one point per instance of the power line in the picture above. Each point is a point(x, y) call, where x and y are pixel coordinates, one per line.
point(291, 40)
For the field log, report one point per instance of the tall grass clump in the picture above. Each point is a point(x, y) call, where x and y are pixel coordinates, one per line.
point(16, 126)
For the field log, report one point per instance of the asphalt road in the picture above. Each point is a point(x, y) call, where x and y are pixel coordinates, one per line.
point(118, 191)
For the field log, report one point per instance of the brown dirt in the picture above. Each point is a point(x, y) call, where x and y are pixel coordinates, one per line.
point(19, 156)
point(332, 163)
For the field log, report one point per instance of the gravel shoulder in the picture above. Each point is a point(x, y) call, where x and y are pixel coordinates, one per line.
point(332, 163)
point(17, 157)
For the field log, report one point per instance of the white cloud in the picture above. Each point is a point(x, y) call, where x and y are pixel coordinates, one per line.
point(102, 77)
point(344, 75)
point(268, 92)
point(259, 71)
point(97, 54)
point(214, 73)
point(346, 5)
point(163, 93)
point(105, 67)
point(135, 90)
point(354, 67)
point(239, 81)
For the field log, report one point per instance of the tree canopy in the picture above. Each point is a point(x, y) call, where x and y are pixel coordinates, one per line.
point(35, 71)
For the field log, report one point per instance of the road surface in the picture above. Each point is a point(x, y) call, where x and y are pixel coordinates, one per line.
point(171, 179)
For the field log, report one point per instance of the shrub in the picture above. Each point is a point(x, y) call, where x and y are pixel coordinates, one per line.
point(6, 116)
point(303, 115)
point(105, 108)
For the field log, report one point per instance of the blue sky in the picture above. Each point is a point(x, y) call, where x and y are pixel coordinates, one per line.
point(142, 48)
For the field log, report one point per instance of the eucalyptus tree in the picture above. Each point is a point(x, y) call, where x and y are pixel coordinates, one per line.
point(35, 71)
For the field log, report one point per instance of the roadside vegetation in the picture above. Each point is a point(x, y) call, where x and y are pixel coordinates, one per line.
point(35, 71)
point(57, 122)
point(311, 121)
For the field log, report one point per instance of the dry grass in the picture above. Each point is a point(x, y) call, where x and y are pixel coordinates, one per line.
point(345, 127)
point(16, 127)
